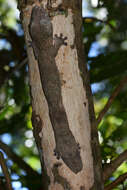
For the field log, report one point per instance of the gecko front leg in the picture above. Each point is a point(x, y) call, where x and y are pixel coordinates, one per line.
point(58, 42)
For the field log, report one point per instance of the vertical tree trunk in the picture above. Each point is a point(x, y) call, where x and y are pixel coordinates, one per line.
point(63, 117)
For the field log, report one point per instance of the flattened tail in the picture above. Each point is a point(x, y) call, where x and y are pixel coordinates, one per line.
point(74, 163)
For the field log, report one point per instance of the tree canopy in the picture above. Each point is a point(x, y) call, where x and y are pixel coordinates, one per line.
point(105, 40)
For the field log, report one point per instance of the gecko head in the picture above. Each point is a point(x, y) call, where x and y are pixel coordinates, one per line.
point(46, 27)
point(35, 13)
point(40, 24)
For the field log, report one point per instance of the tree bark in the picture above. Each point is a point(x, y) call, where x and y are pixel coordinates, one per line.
point(63, 115)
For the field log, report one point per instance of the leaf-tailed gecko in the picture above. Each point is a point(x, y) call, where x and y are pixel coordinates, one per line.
point(45, 49)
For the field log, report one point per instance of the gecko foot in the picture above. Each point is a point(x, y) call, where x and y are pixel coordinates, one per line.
point(57, 154)
point(60, 40)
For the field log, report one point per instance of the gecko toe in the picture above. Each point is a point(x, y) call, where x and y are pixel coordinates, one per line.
point(65, 43)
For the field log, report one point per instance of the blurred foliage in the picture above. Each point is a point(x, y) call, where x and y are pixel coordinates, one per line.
point(107, 67)
point(105, 42)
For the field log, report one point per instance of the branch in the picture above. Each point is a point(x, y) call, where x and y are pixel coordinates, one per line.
point(9, 74)
point(110, 100)
point(119, 180)
point(99, 20)
point(5, 171)
point(20, 162)
point(110, 168)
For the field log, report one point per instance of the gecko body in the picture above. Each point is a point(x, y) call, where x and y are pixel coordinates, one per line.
point(45, 49)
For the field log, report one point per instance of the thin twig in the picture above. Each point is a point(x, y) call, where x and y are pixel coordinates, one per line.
point(110, 168)
point(110, 100)
point(119, 180)
point(5, 171)
point(99, 20)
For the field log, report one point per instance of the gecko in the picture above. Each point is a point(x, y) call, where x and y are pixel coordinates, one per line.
point(45, 48)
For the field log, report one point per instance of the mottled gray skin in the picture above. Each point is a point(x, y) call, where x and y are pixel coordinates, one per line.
point(41, 32)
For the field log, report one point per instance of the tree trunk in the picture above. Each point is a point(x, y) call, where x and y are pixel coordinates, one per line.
point(63, 116)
